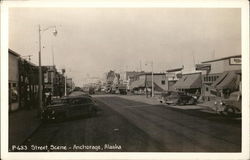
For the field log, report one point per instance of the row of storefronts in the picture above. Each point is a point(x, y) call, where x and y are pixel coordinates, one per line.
point(214, 78)
point(23, 82)
point(217, 77)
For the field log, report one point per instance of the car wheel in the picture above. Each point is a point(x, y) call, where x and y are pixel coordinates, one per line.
point(228, 112)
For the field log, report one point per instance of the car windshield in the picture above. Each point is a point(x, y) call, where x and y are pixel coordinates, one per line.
point(234, 96)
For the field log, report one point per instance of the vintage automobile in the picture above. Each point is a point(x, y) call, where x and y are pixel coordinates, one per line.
point(180, 98)
point(163, 96)
point(70, 107)
point(230, 106)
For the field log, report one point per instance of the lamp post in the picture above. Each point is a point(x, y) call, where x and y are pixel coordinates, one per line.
point(40, 67)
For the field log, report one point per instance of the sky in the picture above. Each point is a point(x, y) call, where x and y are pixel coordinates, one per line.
point(92, 41)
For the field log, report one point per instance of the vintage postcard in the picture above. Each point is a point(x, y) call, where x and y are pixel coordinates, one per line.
point(125, 80)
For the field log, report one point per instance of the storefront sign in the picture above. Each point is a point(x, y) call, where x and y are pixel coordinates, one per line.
point(204, 67)
point(235, 61)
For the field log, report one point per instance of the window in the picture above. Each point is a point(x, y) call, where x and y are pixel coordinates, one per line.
point(206, 88)
point(163, 82)
point(14, 84)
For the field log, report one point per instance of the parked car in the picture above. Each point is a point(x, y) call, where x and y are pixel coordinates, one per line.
point(229, 106)
point(180, 98)
point(70, 107)
point(163, 96)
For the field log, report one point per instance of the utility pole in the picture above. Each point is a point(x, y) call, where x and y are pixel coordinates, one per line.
point(40, 73)
point(40, 66)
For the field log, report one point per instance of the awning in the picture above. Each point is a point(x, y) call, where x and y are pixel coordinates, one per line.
point(141, 84)
point(189, 81)
point(156, 86)
point(175, 69)
point(228, 80)
point(137, 84)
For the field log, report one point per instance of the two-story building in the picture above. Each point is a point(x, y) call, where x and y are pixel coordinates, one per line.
point(220, 76)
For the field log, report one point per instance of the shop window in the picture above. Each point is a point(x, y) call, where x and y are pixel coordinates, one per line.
point(163, 82)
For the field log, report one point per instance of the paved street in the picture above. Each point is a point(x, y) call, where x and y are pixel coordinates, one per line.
point(126, 125)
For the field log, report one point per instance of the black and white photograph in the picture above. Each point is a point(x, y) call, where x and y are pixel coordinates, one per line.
point(125, 79)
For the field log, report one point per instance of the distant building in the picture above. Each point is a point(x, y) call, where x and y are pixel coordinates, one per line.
point(220, 76)
point(70, 84)
point(49, 79)
point(143, 82)
point(54, 82)
point(173, 76)
point(129, 77)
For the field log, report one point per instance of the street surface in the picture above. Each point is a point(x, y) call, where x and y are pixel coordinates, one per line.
point(132, 126)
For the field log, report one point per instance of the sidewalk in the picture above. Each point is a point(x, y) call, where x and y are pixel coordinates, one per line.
point(155, 101)
point(22, 124)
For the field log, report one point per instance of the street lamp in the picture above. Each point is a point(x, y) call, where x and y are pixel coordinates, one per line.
point(40, 67)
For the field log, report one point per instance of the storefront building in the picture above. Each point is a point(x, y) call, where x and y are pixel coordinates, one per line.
point(143, 82)
point(220, 77)
point(189, 83)
point(13, 80)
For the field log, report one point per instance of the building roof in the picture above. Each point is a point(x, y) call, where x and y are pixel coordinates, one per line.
point(150, 73)
point(14, 53)
point(224, 58)
point(189, 81)
point(175, 69)
point(143, 84)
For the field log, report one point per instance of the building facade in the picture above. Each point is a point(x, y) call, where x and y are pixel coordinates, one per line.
point(189, 83)
point(13, 80)
point(143, 82)
point(220, 77)
point(24, 82)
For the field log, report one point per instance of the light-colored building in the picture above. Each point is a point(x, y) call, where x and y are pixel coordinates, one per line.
point(13, 80)
point(144, 81)
point(220, 76)
point(173, 76)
